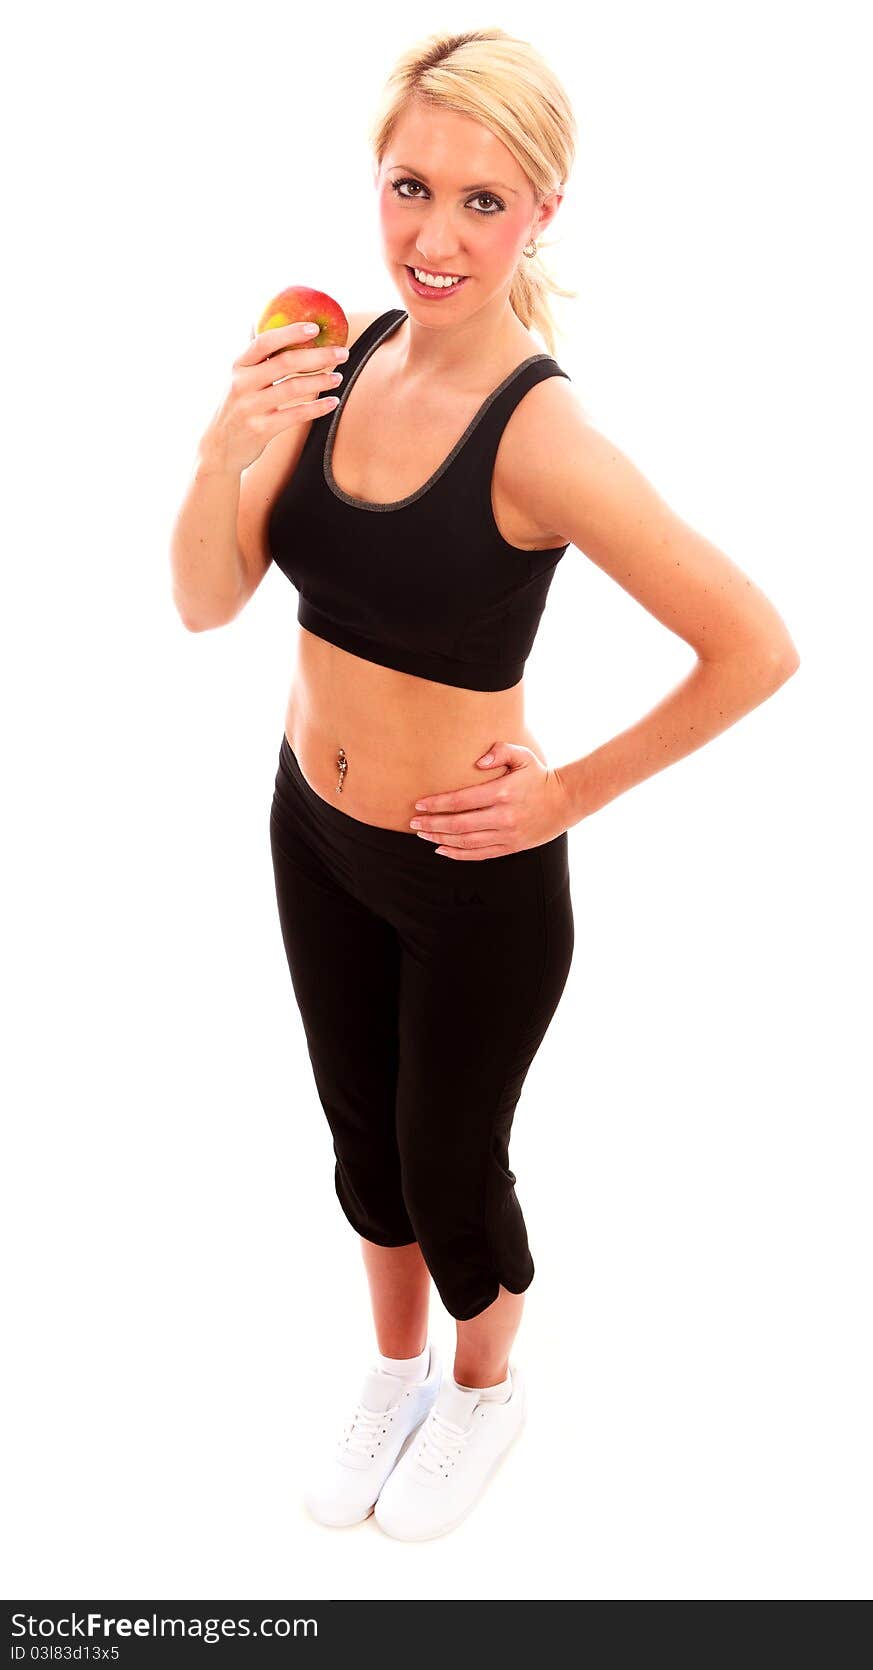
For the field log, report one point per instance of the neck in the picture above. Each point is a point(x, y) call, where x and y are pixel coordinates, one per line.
point(463, 353)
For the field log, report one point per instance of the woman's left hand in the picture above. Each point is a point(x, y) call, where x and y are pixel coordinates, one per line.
point(525, 807)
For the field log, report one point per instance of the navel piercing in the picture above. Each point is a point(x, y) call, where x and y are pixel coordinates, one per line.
point(343, 765)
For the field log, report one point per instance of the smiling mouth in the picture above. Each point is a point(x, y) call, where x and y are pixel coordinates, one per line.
point(438, 275)
point(437, 289)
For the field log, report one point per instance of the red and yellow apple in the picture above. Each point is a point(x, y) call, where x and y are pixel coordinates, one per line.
point(298, 301)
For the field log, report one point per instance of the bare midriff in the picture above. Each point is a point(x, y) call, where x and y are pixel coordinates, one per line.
point(402, 737)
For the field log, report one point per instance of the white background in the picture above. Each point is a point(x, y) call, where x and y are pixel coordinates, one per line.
point(184, 1301)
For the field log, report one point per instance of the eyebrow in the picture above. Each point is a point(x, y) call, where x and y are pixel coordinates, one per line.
point(478, 185)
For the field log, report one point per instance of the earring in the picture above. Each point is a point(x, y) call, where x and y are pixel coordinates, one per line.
point(529, 250)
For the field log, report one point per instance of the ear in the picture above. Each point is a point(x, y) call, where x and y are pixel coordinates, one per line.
point(548, 210)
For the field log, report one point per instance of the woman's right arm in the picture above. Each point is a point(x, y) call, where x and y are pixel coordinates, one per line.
point(207, 567)
point(212, 575)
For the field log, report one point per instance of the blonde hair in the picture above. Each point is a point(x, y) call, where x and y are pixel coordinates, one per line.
point(506, 85)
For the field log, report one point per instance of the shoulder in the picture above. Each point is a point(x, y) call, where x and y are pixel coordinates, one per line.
point(548, 421)
point(548, 402)
point(579, 482)
point(566, 470)
point(575, 481)
point(359, 323)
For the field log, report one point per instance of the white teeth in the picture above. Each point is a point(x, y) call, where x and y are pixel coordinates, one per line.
point(435, 283)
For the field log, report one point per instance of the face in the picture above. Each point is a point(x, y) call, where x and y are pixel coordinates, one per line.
point(432, 220)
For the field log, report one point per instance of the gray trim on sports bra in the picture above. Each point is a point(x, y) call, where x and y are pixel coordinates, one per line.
point(398, 504)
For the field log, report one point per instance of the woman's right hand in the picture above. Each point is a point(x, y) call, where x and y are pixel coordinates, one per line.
point(256, 407)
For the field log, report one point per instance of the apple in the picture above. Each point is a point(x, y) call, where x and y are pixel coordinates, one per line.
point(298, 301)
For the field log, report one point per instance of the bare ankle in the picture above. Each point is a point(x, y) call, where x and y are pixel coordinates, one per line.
point(479, 1374)
point(400, 1346)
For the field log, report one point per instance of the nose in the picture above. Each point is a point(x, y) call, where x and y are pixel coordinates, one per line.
point(438, 262)
point(435, 260)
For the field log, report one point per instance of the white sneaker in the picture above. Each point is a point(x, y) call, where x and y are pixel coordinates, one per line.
point(344, 1491)
point(446, 1467)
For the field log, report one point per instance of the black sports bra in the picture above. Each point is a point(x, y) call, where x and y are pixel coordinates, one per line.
point(426, 584)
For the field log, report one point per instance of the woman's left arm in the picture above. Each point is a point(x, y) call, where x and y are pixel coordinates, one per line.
point(583, 484)
point(577, 480)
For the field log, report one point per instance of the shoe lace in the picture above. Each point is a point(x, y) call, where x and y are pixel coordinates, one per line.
point(440, 1442)
point(365, 1430)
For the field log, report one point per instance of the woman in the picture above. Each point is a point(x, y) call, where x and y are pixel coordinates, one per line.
point(419, 838)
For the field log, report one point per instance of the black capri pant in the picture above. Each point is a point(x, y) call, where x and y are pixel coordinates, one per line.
point(425, 986)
